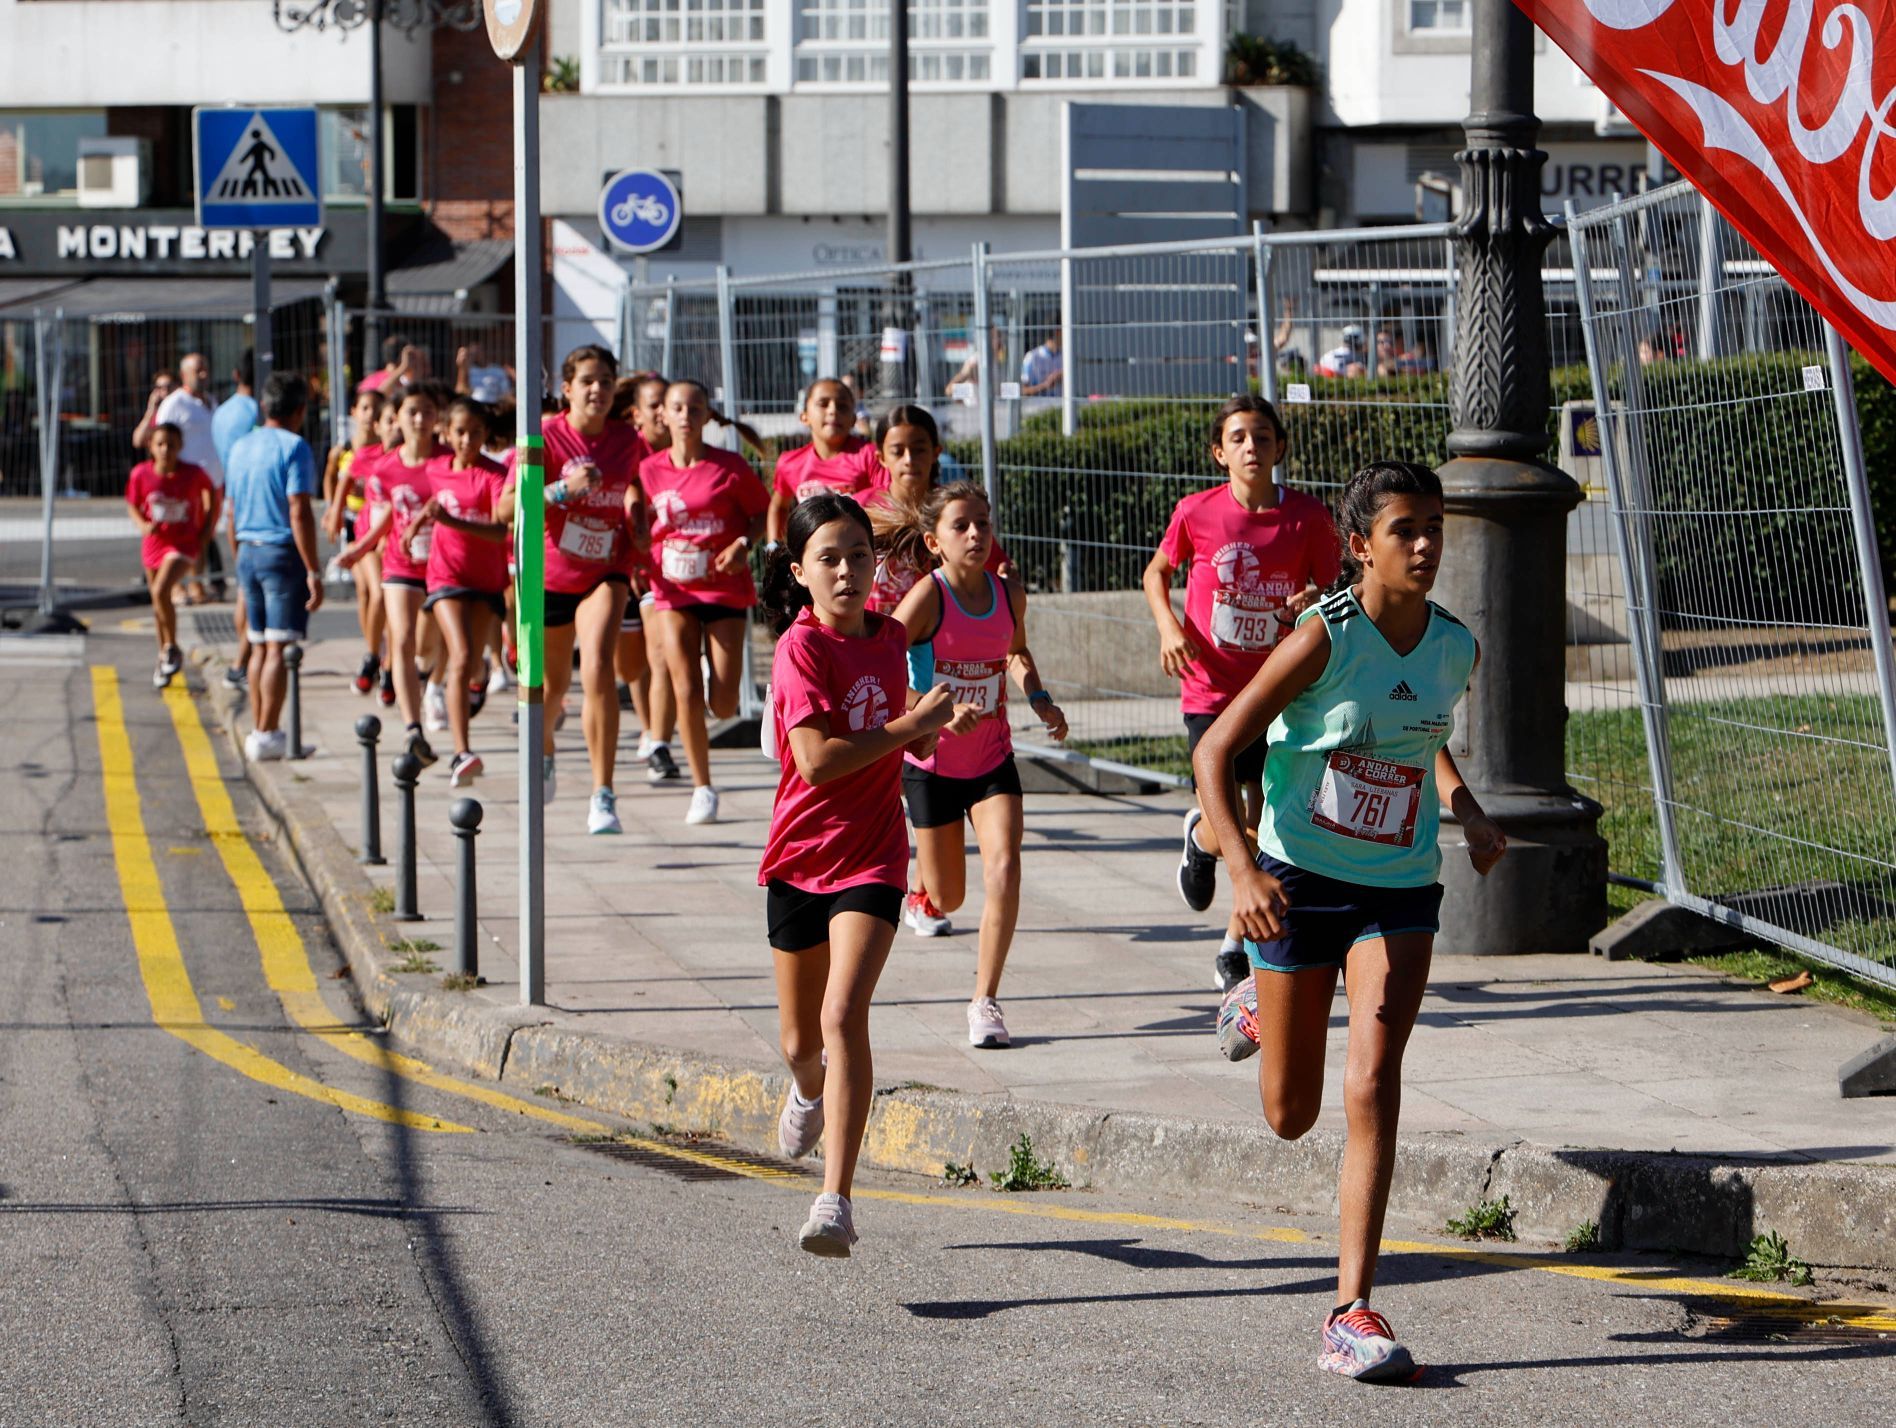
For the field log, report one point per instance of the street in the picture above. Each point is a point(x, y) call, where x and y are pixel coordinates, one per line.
point(226, 1207)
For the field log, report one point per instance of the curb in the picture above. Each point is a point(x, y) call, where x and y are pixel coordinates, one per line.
point(1838, 1215)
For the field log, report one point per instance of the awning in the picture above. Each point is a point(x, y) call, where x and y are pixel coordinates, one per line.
point(136, 299)
point(438, 277)
point(29, 293)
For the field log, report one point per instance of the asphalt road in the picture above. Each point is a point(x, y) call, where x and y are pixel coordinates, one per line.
point(222, 1202)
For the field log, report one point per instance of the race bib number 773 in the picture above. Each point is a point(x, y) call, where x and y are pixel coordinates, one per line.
point(1367, 798)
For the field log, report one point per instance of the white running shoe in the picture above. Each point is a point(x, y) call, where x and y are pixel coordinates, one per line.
point(434, 709)
point(800, 1126)
point(548, 779)
point(161, 676)
point(603, 816)
point(498, 678)
point(704, 805)
point(172, 662)
point(830, 1230)
point(646, 745)
point(985, 1027)
point(464, 769)
point(264, 747)
point(924, 919)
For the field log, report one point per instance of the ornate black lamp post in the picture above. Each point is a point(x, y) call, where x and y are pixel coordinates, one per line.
point(410, 17)
point(1506, 569)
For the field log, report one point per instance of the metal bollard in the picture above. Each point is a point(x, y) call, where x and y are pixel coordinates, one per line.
point(466, 818)
point(407, 775)
point(293, 709)
point(368, 731)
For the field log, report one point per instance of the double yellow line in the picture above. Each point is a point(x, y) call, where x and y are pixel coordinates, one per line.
point(287, 969)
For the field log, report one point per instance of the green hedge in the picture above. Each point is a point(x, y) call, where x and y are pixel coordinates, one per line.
point(1736, 435)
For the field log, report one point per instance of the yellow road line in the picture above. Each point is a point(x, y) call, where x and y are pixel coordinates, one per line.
point(174, 1003)
point(1754, 1298)
point(286, 965)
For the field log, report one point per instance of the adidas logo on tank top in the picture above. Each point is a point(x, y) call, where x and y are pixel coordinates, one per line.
point(1402, 691)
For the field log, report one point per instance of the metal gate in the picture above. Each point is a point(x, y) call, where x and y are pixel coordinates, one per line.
point(1765, 683)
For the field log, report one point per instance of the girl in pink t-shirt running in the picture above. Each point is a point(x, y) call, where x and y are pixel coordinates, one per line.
point(397, 488)
point(1259, 554)
point(836, 858)
point(836, 459)
point(173, 504)
point(707, 511)
point(967, 629)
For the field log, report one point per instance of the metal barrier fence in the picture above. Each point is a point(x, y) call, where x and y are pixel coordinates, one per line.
point(1753, 765)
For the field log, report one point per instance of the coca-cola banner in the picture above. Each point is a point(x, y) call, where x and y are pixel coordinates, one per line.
point(1780, 111)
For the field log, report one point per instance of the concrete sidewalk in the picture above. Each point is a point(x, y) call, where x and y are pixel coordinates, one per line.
point(1676, 1108)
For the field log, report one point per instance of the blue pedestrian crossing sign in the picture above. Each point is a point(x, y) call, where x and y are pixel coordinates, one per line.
point(256, 168)
point(640, 210)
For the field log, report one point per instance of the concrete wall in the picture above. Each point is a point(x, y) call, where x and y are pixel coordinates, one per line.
point(133, 52)
point(972, 154)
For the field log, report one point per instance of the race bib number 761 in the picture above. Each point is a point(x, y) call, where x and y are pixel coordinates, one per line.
point(1367, 798)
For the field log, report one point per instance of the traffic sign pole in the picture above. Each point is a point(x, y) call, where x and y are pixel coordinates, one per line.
point(262, 338)
point(529, 521)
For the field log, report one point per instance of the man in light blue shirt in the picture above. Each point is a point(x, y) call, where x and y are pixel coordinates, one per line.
point(1042, 370)
point(270, 482)
point(237, 415)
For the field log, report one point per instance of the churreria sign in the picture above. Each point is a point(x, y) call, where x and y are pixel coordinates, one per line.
point(1780, 111)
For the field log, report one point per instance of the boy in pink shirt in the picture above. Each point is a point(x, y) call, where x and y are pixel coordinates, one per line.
point(1259, 553)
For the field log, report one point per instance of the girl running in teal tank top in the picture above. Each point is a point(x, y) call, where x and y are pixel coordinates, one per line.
point(1357, 705)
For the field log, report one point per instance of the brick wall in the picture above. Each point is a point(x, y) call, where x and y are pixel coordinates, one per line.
point(471, 147)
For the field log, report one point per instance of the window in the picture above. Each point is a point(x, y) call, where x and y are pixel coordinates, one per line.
point(342, 154)
point(39, 153)
point(672, 42)
point(847, 41)
point(1441, 17)
point(1109, 39)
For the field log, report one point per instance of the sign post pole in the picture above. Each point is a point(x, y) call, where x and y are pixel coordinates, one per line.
point(513, 27)
point(262, 340)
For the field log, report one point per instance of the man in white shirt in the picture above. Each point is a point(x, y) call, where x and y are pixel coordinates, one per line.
point(189, 409)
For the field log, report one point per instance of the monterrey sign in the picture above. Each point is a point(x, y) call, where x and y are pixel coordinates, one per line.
point(1781, 112)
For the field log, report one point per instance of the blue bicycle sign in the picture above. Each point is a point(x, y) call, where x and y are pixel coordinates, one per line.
point(639, 210)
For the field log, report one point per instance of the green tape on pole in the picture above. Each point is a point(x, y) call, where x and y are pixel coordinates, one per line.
point(530, 563)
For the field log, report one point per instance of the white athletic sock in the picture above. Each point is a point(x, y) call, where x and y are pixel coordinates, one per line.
point(804, 1103)
point(1230, 944)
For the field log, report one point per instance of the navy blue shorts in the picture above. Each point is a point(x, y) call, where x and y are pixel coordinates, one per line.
point(275, 583)
point(1327, 917)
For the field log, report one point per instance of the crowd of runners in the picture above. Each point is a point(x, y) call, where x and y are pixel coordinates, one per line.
point(1318, 688)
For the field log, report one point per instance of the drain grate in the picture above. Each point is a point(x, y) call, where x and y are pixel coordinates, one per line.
point(697, 1160)
point(214, 627)
point(1861, 1325)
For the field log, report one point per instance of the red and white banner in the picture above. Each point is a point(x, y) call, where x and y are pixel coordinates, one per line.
point(1780, 111)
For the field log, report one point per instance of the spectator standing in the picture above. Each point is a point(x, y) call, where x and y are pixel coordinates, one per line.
point(189, 409)
point(271, 484)
point(403, 364)
point(1346, 358)
point(1041, 373)
point(236, 417)
point(488, 382)
point(163, 384)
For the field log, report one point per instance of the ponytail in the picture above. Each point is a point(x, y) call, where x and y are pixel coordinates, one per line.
point(783, 597)
point(1362, 499)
